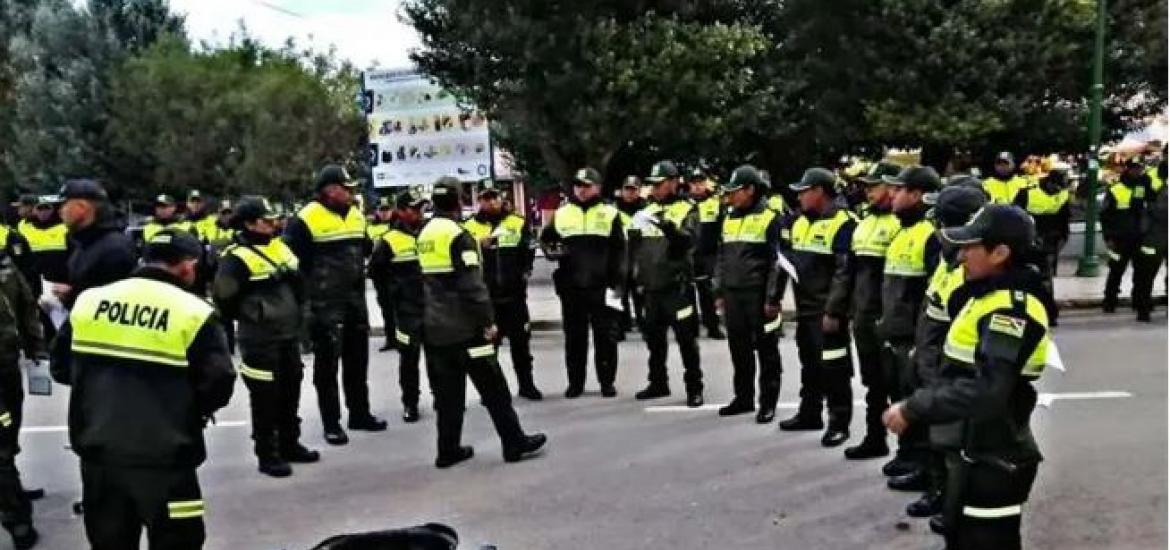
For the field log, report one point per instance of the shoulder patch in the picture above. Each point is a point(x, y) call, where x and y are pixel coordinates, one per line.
point(1006, 324)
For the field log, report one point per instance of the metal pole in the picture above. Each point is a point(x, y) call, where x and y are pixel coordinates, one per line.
point(1088, 265)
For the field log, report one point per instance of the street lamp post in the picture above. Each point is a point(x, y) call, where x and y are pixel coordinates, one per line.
point(1088, 265)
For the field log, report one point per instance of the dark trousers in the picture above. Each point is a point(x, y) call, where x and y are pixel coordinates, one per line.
point(1145, 269)
point(632, 306)
point(341, 331)
point(272, 371)
point(119, 501)
point(1120, 256)
point(705, 290)
point(902, 380)
point(750, 335)
point(982, 505)
point(408, 333)
point(512, 320)
point(15, 508)
point(1051, 256)
point(825, 370)
point(673, 309)
point(386, 306)
point(873, 375)
point(582, 310)
point(449, 367)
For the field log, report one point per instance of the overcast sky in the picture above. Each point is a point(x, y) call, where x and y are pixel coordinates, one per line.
point(364, 31)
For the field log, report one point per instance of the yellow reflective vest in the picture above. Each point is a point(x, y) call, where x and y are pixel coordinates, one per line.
point(1041, 203)
point(874, 233)
point(153, 228)
point(326, 226)
point(265, 261)
point(434, 247)
point(49, 239)
point(906, 256)
point(963, 337)
point(1004, 192)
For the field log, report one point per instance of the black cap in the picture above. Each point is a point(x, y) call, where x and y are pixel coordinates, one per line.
point(410, 198)
point(488, 188)
point(922, 178)
point(384, 203)
point(83, 189)
point(954, 205)
point(1005, 156)
point(170, 247)
point(250, 209)
point(698, 174)
point(816, 177)
point(164, 200)
point(745, 175)
point(588, 175)
point(334, 173)
point(662, 170)
point(194, 195)
point(632, 182)
point(225, 205)
point(879, 171)
point(966, 181)
point(992, 225)
point(27, 199)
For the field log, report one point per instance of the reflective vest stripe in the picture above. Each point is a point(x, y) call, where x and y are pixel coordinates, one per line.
point(963, 335)
point(259, 268)
point(402, 244)
point(774, 324)
point(993, 513)
point(434, 246)
point(129, 352)
point(906, 256)
point(874, 233)
point(185, 509)
point(571, 221)
point(479, 352)
point(256, 374)
point(1042, 204)
point(6, 419)
point(327, 226)
point(709, 210)
point(752, 228)
point(832, 354)
point(817, 236)
point(402, 337)
point(685, 313)
point(49, 239)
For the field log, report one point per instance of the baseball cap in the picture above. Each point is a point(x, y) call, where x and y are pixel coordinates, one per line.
point(172, 246)
point(164, 200)
point(194, 195)
point(992, 225)
point(488, 188)
point(1005, 156)
point(83, 189)
point(251, 209)
point(632, 182)
point(922, 178)
point(588, 175)
point(27, 199)
point(814, 177)
point(412, 198)
point(954, 205)
point(877, 172)
point(662, 170)
point(334, 173)
point(698, 174)
point(225, 205)
point(745, 175)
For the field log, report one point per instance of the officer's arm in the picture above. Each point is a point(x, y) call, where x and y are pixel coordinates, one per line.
point(469, 279)
point(528, 253)
point(777, 278)
point(28, 318)
point(229, 282)
point(380, 258)
point(300, 240)
point(1108, 214)
point(618, 259)
point(783, 247)
point(22, 258)
point(211, 367)
point(932, 254)
point(61, 356)
point(682, 238)
point(842, 284)
point(1001, 354)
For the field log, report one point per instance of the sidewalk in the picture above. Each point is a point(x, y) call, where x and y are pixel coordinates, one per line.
point(1072, 293)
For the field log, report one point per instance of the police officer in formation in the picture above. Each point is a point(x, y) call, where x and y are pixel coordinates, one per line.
point(258, 285)
point(1004, 183)
point(1152, 252)
point(378, 226)
point(819, 242)
point(1048, 204)
point(710, 207)
point(328, 236)
point(394, 266)
point(166, 216)
point(629, 202)
point(505, 242)
point(460, 331)
point(1123, 215)
point(983, 400)
point(48, 243)
point(144, 357)
point(747, 286)
point(16, 246)
point(664, 232)
point(587, 240)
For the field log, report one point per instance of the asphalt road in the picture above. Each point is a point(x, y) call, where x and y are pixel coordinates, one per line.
point(619, 477)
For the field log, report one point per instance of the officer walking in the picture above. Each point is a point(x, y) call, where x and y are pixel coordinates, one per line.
point(1004, 184)
point(148, 366)
point(100, 252)
point(394, 265)
point(1121, 222)
point(258, 284)
point(664, 235)
point(871, 239)
point(629, 202)
point(820, 240)
point(506, 245)
point(379, 226)
point(710, 206)
point(21, 332)
point(328, 237)
point(459, 334)
point(996, 348)
point(910, 261)
point(1152, 253)
point(587, 240)
point(747, 289)
point(166, 216)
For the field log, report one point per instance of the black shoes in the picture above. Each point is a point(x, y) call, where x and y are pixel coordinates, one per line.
point(410, 414)
point(529, 392)
point(608, 391)
point(870, 447)
point(927, 506)
point(898, 466)
point(1109, 305)
point(1143, 317)
point(367, 423)
point(461, 454)
point(34, 494)
point(913, 481)
point(653, 391)
point(573, 392)
point(529, 447)
point(23, 536)
point(834, 437)
point(334, 435)
point(695, 400)
point(275, 467)
point(736, 407)
point(388, 346)
point(938, 524)
point(800, 423)
point(715, 333)
point(766, 415)
point(299, 454)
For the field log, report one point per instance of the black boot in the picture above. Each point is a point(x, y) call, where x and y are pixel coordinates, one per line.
point(715, 333)
point(653, 391)
point(1109, 305)
point(334, 435)
point(914, 481)
point(24, 536)
point(928, 505)
point(528, 447)
point(695, 399)
point(736, 407)
point(573, 392)
point(410, 414)
point(1143, 316)
point(529, 391)
point(899, 466)
point(938, 524)
point(870, 447)
point(367, 423)
point(835, 436)
point(275, 467)
point(802, 422)
point(607, 390)
point(459, 455)
point(766, 415)
point(299, 454)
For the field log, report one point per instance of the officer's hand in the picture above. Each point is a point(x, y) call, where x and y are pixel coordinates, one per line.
point(830, 324)
point(491, 333)
point(60, 290)
point(895, 419)
point(771, 311)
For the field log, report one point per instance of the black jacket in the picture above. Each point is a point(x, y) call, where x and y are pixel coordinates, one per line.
point(267, 310)
point(127, 412)
point(1125, 225)
point(902, 295)
point(825, 279)
point(402, 281)
point(506, 268)
point(101, 254)
point(750, 266)
point(458, 304)
point(587, 261)
point(868, 272)
point(333, 271)
point(20, 324)
point(665, 262)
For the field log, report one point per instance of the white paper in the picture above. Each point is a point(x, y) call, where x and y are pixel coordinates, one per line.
point(613, 300)
point(783, 263)
point(53, 308)
point(644, 221)
point(1054, 359)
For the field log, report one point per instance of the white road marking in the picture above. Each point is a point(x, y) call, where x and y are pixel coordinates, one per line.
point(1043, 400)
point(61, 429)
point(684, 408)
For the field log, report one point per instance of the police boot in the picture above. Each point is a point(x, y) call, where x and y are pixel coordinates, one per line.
point(1143, 316)
point(334, 435)
point(835, 435)
point(736, 407)
point(938, 524)
point(410, 412)
point(447, 460)
point(916, 480)
point(275, 467)
point(608, 390)
point(367, 422)
point(528, 389)
point(694, 398)
point(653, 391)
point(574, 391)
point(1109, 305)
point(899, 466)
point(528, 447)
point(928, 505)
point(802, 421)
point(871, 447)
point(299, 454)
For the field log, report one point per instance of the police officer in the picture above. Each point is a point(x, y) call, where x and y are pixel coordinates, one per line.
point(664, 232)
point(1152, 252)
point(871, 239)
point(100, 252)
point(910, 261)
point(16, 246)
point(710, 206)
point(199, 217)
point(629, 202)
point(995, 349)
point(746, 285)
point(1122, 216)
point(328, 237)
point(383, 219)
point(506, 245)
point(220, 234)
point(394, 266)
point(148, 366)
point(458, 332)
point(820, 239)
point(47, 240)
point(20, 332)
point(1048, 204)
point(587, 240)
point(166, 216)
point(1004, 184)
point(258, 284)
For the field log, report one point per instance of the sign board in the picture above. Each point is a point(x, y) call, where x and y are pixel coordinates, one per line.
point(418, 133)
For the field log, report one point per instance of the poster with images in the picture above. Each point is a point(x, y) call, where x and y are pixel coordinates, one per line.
point(418, 133)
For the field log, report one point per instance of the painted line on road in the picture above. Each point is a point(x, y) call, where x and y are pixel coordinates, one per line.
point(684, 408)
point(1043, 400)
point(60, 429)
